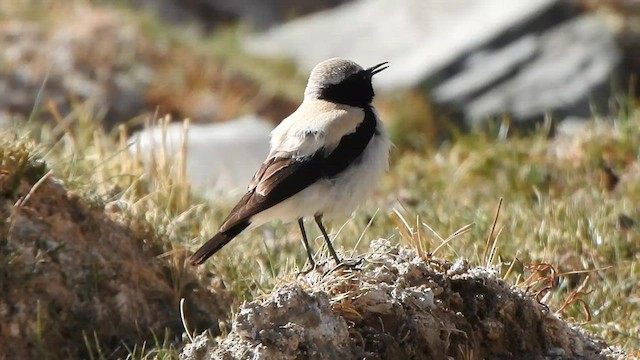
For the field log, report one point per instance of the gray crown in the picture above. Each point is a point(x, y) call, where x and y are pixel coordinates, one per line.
point(329, 72)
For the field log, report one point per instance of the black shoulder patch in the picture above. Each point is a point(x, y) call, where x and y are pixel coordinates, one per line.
point(350, 148)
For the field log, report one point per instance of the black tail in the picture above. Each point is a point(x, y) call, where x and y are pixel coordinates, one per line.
point(216, 243)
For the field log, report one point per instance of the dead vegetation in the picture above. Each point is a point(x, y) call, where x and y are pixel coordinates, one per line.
point(76, 284)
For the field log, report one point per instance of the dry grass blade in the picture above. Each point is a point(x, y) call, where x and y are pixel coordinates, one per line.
point(463, 230)
point(62, 123)
point(33, 189)
point(433, 232)
point(364, 231)
point(574, 272)
point(183, 318)
point(490, 244)
point(183, 179)
point(574, 297)
point(494, 248)
point(511, 267)
point(405, 230)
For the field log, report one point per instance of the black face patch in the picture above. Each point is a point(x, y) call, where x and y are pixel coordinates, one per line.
point(355, 90)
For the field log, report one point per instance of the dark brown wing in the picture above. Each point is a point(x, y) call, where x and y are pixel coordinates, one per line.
point(277, 179)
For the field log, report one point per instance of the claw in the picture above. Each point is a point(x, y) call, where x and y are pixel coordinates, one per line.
point(349, 264)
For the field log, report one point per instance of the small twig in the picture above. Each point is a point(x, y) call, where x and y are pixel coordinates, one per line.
point(183, 318)
point(542, 273)
point(463, 230)
point(574, 297)
point(33, 189)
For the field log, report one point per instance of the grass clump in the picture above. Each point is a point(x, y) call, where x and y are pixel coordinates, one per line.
point(569, 202)
point(86, 232)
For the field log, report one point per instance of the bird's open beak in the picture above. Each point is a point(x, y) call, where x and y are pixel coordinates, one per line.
point(376, 69)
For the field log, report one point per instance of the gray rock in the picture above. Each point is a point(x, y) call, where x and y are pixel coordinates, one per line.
point(257, 13)
point(561, 71)
point(477, 58)
point(417, 37)
point(221, 158)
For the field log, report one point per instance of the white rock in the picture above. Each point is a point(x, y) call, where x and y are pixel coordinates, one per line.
point(221, 158)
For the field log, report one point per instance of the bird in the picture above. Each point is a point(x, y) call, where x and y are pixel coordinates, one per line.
point(324, 160)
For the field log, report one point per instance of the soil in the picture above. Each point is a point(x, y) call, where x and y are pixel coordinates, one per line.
point(76, 284)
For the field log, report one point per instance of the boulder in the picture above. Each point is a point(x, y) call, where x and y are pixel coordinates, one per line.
point(477, 58)
point(565, 71)
point(211, 13)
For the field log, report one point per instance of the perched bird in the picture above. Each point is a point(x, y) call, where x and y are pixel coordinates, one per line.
point(325, 158)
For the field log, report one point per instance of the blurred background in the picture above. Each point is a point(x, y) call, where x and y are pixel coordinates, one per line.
point(531, 102)
point(455, 65)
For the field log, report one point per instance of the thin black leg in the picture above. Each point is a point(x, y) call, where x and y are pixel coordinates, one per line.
point(306, 243)
point(318, 219)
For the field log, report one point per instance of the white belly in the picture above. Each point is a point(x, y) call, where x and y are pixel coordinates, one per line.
point(339, 196)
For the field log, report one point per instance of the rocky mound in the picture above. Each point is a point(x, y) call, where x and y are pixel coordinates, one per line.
point(399, 306)
point(76, 284)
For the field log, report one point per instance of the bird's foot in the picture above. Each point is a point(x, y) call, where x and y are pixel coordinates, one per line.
point(346, 264)
point(351, 264)
point(307, 269)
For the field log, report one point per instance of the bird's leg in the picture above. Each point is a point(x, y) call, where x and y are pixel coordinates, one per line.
point(318, 219)
point(306, 243)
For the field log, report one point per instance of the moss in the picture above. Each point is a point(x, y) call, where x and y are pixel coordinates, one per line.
point(18, 161)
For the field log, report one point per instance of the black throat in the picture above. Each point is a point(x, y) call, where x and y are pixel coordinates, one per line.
point(356, 90)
